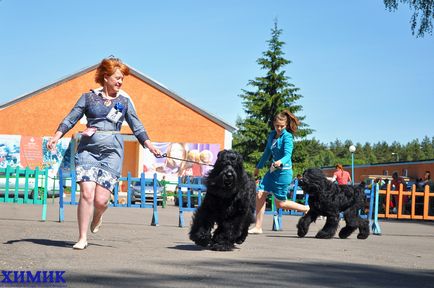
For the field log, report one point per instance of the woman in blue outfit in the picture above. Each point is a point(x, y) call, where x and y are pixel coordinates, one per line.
point(279, 147)
point(100, 152)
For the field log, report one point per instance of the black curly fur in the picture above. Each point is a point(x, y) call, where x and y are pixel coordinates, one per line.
point(329, 199)
point(229, 203)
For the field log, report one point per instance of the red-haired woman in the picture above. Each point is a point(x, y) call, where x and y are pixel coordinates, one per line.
point(99, 156)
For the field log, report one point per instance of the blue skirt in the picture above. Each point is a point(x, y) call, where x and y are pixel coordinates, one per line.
point(277, 182)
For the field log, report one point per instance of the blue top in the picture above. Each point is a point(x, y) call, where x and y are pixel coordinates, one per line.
point(103, 150)
point(280, 150)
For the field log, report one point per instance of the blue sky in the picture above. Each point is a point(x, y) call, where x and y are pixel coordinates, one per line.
point(363, 76)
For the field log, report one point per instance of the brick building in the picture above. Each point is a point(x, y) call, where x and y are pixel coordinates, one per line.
point(166, 116)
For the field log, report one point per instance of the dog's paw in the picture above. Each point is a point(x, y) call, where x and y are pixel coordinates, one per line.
point(221, 246)
point(302, 230)
point(201, 239)
point(323, 235)
point(362, 236)
point(346, 232)
point(241, 239)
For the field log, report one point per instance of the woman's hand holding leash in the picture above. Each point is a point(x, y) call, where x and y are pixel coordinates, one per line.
point(186, 160)
point(155, 151)
point(52, 142)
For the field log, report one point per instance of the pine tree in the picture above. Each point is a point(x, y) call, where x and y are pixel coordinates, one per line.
point(273, 93)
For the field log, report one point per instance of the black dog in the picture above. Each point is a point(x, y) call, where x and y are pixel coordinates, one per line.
point(229, 203)
point(329, 199)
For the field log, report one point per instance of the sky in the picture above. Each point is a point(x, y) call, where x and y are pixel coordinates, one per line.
point(363, 76)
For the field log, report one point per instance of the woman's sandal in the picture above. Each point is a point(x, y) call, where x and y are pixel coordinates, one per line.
point(255, 231)
point(95, 228)
point(80, 245)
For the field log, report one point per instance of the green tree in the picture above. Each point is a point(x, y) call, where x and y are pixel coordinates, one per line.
point(369, 155)
point(423, 13)
point(414, 151)
point(310, 153)
point(271, 94)
point(427, 148)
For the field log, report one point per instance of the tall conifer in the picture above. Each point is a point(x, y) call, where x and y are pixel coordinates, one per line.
point(271, 94)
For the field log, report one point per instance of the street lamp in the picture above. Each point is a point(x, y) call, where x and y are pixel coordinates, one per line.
point(397, 156)
point(352, 150)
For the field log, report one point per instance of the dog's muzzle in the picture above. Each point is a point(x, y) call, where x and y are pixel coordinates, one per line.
point(229, 177)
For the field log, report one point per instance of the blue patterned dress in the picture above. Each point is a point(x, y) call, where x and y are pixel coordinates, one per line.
point(99, 157)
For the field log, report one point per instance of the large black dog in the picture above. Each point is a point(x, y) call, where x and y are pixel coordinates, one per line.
point(229, 203)
point(329, 199)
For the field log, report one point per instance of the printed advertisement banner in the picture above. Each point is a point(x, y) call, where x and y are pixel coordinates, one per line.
point(200, 158)
point(31, 152)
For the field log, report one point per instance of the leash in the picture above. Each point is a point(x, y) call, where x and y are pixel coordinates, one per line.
point(185, 160)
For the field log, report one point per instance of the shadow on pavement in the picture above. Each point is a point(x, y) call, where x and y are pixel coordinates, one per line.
point(228, 273)
point(45, 242)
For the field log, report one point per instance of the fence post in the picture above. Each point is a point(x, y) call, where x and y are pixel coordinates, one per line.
point(142, 190)
point(199, 194)
point(375, 226)
point(36, 188)
point(181, 211)
point(44, 196)
point(17, 184)
point(27, 173)
point(61, 191)
point(277, 216)
point(73, 186)
point(426, 202)
point(164, 194)
point(8, 169)
point(155, 204)
point(129, 189)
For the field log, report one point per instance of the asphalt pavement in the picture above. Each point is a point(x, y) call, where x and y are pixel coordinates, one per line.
point(129, 252)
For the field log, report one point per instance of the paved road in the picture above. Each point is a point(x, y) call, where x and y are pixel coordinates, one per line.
point(129, 252)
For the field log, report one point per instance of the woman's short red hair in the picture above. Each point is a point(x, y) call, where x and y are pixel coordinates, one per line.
point(107, 67)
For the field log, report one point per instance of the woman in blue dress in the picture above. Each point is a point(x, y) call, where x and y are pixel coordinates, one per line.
point(276, 181)
point(99, 156)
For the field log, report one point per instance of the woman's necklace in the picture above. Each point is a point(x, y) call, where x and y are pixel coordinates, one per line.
point(107, 100)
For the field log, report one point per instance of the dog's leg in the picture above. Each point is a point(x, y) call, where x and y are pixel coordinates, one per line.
point(200, 232)
point(350, 217)
point(221, 240)
point(363, 225)
point(304, 223)
point(330, 227)
point(244, 229)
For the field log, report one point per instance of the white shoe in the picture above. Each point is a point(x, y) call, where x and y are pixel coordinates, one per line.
point(255, 230)
point(80, 245)
point(95, 228)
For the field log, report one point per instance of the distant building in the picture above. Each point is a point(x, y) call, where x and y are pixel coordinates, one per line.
point(411, 169)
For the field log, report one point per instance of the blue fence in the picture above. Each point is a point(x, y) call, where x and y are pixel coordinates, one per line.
point(24, 186)
point(277, 214)
point(136, 191)
point(189, 194)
